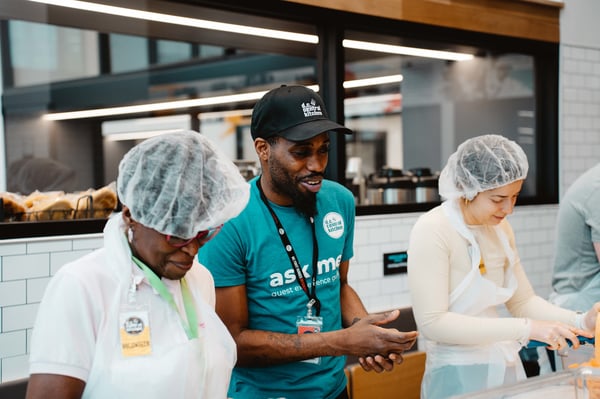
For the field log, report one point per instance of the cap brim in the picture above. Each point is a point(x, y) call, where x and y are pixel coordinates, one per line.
point(311, 129)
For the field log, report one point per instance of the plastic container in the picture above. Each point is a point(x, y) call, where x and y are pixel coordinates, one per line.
point(580, 383)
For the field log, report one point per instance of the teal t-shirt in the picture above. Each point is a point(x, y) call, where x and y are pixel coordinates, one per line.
point(248, 251)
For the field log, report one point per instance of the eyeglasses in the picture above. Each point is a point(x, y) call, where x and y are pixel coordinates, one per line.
point(202, 237)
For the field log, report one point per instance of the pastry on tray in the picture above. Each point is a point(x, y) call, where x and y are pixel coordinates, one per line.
point(13, 207)
point(94, 203)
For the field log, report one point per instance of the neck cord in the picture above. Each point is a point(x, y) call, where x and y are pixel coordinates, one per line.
point(289, 250)
point(191, 327)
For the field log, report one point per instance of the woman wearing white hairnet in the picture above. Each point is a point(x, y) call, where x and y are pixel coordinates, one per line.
point(136, 319)
point(463, 263)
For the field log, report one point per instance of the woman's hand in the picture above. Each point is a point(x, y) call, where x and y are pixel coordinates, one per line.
point(556, 334)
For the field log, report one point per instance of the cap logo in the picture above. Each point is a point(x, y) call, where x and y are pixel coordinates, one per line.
point(311, 109)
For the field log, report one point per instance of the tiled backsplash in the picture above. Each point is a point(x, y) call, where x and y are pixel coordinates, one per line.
point(580, 111)
point(26, 266)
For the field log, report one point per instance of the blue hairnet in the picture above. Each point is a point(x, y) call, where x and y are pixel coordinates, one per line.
point(482, 163)
point(180, 184)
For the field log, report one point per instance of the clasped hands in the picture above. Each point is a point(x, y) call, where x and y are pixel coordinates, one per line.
point(379, 349)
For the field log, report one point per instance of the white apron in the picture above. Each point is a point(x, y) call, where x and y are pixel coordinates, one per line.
point(178, 367)
point(456, 369)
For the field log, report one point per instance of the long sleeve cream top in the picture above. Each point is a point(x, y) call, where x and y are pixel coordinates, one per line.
point(438, 260)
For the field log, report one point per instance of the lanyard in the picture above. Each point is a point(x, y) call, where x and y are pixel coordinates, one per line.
point(191, 327)
point(289, 250)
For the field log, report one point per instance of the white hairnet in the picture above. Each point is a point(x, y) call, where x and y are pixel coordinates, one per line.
point(482, 163)
point(180, 184)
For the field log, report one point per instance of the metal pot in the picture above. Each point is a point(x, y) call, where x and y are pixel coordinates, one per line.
point(426, 185)
point(390, 186)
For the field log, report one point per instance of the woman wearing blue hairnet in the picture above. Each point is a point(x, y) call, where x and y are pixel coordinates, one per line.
point(463, 263)
point(136, 318)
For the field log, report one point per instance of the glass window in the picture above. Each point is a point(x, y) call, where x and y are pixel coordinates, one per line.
point(208, 82)
point(169, 51)
point(128, 53)
point(413, 109)
point(42, 53)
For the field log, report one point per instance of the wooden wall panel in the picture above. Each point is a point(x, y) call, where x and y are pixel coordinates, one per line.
point(530, 19)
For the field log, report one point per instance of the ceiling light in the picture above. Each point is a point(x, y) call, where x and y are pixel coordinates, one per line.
point(143, 128)
point(162, 106)
point(205, 116)
point(139, 135)
point(199, 102)
point(351, 84)
point(184, 21)
point(401, 50)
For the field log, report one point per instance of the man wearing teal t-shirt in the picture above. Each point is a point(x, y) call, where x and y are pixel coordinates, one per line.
point(281, 266)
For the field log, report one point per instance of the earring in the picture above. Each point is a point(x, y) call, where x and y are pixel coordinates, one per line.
point(130, 235)
point(466, 201)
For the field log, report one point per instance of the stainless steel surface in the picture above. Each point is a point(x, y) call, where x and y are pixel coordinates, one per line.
point(426, 185)
point(390, 186)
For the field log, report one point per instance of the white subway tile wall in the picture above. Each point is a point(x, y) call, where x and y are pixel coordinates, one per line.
point(27, 265)
point(579, 87)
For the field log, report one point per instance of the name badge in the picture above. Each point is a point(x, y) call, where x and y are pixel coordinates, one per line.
point(310, 325)
point(134, 330)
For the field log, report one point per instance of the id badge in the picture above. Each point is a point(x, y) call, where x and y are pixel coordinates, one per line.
point(310, 325)
point(134, 330)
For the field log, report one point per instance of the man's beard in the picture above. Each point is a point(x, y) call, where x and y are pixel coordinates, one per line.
point(305, 203)
point(282, 183)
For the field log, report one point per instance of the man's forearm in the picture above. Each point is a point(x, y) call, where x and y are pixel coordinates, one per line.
point(352, 306)
point(258, 348)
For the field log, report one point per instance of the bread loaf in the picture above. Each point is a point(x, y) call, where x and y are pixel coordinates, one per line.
point(82, 204)
point(56, 205)
point(50, 207)
point(94, 203)
point(13, 207)
point(105, 201)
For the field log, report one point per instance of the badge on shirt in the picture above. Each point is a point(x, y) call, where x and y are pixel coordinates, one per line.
point(134, 330)
point(309, 325)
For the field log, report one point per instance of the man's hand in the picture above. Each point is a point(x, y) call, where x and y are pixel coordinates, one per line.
point(381, 347)
point(379, 363)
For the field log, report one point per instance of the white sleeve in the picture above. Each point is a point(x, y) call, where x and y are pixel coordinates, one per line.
point(64, 333)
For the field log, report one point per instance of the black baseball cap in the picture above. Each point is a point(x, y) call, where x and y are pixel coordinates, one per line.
point(294, 112)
